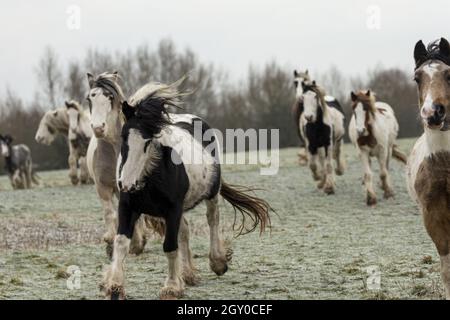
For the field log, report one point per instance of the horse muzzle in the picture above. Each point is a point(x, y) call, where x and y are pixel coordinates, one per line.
point(434, 116)
point(309, 118)
point(127, 188)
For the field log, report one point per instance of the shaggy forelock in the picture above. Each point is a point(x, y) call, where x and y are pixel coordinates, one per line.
point(107, 82)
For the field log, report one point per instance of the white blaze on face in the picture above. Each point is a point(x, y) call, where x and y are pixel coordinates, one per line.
point(101, 107)
point(136, 161)
point(299, 88)
point(426, 109)
point(310, 106)
point(360, 119)
point(73, 123)
point(4, 149)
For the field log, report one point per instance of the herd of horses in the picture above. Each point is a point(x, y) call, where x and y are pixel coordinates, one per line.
point(134, 150)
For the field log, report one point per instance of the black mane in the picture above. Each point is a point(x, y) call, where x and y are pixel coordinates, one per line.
point(152, 115)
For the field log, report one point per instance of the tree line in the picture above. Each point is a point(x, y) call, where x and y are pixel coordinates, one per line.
point(262, 100)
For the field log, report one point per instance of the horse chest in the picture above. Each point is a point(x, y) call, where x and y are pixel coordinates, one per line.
point(318, 135)
point(432, 186)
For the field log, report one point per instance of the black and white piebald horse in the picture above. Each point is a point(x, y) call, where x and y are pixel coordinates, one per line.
point(322, 128)
point(164, 170)
point(18, 163)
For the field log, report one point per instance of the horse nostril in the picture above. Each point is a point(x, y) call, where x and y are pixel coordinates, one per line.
point(120, 185)
point(439, 109)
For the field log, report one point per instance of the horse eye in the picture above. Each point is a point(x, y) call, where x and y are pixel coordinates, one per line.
point(296, 83)
point(417, 79)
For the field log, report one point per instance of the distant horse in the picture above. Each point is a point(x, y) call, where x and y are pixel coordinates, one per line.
point(297, 109)
point(79, 135)
point(18, 163)
point(322, 128)
point(429, 162)
point(105, 99)
point(373, 129)
point(165, 170)
point(56, 122)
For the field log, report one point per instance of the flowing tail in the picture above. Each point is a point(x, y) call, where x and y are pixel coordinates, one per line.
point(252, 207)
point(398, 154)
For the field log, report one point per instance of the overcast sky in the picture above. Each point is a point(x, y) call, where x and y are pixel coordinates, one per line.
point(230, 33)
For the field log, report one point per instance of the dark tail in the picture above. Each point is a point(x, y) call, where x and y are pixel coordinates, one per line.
point(249, 206)
point(399, 155)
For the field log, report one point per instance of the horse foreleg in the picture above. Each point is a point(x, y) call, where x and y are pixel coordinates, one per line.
point(329, 186)
point(73, 170)
point(340, 163)
point(371, 196)
point(189, 275)
point(114, 278)
point(445, 273)
point(174, 284)
point(84, 173)
point(106, 197)
point(313, 166)
point(384, 174)
point(28, 173)
point(218, 257)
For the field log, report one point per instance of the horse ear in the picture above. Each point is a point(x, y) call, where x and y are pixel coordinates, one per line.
point(353, 96)
point(444, 47)
point(307, 72)
point(116, 75)
point(90, 78)
point(128, 110)
point(420, 53)
point(8, 138)
point(314, 83)
point(67, 103)
point(368, 93)
point(295, 73)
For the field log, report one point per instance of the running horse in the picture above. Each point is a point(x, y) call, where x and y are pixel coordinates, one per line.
point(429, 162)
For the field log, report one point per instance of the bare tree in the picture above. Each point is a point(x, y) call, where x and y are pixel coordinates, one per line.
point(50, 77)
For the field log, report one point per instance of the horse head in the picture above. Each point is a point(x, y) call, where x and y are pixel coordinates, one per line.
point(432, 75)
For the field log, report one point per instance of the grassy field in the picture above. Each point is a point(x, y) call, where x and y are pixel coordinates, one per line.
point(320, 246)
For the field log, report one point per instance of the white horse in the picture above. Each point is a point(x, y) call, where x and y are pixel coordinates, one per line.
point(105, 99)
point(56, 122)
point(373, 129)
point(322, 128)
point(429, 162)
point(79, 135)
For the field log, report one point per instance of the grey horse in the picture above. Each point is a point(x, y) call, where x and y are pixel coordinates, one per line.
point(18, 163)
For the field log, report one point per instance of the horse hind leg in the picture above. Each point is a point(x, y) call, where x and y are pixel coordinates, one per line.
point(188, 271)
point(218, 256)
point(139, 239)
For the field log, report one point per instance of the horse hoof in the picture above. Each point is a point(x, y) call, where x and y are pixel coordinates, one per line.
point(190, 278)
point(170, 293)
point(371, 200)
point(74, 180)
point(328, 190)
point(388, 194)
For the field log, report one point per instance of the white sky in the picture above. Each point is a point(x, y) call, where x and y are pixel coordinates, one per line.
point(230, 33)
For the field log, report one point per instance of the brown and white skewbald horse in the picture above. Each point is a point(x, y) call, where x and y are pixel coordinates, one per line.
point(373, 129)
point(429, 162)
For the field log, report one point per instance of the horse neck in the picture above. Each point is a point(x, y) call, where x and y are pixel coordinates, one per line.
point(437, 140)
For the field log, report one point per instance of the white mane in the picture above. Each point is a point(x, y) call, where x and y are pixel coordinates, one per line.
point(168, 92)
